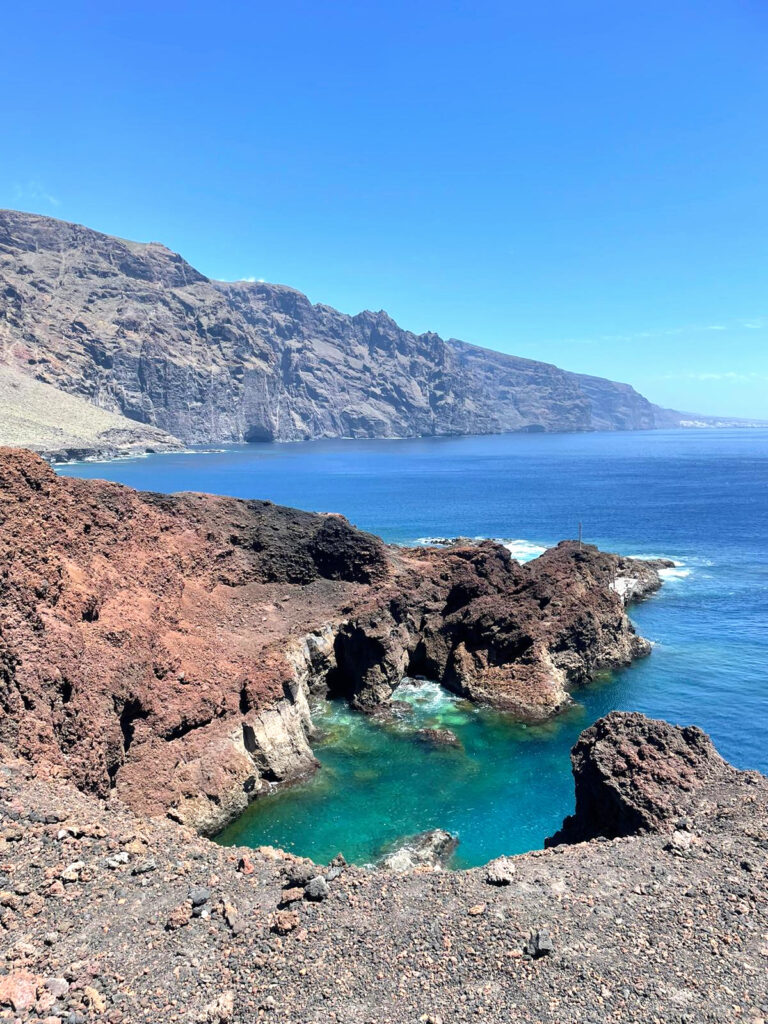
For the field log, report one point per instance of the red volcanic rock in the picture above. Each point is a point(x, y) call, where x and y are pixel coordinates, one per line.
point(634, 774)
point(516, 637)
point(146, 641)
point(162, 648)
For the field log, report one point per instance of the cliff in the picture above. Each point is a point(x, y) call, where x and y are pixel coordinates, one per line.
point(134, 329)
point(63, 427)
point(163, 648)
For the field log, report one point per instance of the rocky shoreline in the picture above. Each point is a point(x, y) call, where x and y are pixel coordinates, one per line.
point(156, 656)
point(161, 649)
point(109, 916)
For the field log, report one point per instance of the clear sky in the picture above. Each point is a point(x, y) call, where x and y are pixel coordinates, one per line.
point(579, 181)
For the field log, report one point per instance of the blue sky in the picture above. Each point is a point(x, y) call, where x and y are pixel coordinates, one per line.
point(579, 181)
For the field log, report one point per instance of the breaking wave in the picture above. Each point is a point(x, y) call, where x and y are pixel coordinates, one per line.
point(520, 549)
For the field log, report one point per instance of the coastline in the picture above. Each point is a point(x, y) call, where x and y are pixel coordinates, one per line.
point(308, 605)
point(581, 928)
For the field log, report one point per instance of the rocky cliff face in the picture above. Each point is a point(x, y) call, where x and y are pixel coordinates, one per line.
point(636, 775)
point(136, 330)
point(164, 647)
point(63, 427)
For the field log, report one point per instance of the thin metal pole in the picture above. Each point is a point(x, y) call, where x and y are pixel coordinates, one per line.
point(579, 536)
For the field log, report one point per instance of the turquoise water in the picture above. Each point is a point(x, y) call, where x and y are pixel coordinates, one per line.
point(700, 497)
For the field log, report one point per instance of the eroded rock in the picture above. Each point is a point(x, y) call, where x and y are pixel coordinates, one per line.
point(429, 850)
point(635, 774)
point(163, 646)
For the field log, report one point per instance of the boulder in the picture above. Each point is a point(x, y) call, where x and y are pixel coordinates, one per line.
point(635, 774)
point(500, 871)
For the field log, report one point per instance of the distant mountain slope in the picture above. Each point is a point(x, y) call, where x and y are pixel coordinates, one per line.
point(135, 329)
point(61, 426)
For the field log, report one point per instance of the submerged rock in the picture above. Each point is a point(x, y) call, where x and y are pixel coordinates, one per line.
point(439, 738)
point(427, 850)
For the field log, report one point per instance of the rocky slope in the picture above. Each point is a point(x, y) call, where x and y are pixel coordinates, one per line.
point(162, 648)
point(63, 427)
point(134, 329)
point(105, 916)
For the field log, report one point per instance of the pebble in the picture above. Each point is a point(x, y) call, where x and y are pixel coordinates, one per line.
point(284, 921)
point(143, 867)
point(539, 944)
point(118, 860)
point(199, 895)
point(73, 871)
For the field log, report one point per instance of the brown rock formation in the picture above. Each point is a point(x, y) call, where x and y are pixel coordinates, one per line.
point(634, 774)
point(515, 637)
point(164, 646)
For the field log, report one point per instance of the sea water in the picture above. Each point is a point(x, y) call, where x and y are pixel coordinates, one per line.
point(699, 497)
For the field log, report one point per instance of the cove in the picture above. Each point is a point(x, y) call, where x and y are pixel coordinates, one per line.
point(699, 497)
point(379, 781)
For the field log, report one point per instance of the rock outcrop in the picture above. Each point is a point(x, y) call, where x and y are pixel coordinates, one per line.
point(163, 648)
point(427, 851)
point(134, 329)
point(517, 637)
point(634, 775)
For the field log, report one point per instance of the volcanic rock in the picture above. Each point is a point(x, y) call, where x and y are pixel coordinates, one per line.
point(635, 933)
point(634, 775)
point(316, 889)
point(431, 850)
point(162, 649)
point(500, 871)
point(134, 329)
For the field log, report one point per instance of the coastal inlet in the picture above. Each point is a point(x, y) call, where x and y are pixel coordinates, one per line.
point(437, 762)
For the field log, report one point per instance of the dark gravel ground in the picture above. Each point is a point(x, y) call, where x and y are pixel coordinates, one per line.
point(108, 917)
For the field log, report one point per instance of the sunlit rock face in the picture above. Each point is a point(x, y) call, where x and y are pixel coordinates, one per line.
point(163, 646)
point(135, 329)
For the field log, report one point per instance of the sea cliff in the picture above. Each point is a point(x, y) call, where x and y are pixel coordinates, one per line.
point(134, 329)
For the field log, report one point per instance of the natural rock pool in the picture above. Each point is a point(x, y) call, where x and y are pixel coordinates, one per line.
point(379, 781)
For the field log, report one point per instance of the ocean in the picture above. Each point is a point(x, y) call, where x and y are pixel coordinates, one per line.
point(699, 497)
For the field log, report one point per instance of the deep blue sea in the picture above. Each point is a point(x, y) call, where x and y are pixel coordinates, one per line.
point(699, 497)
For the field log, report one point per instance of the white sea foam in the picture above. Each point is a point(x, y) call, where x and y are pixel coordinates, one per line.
point(520, 549)
point(678, 571)
point(675, 574)
point(649, 558)
point(428, 695)
point(524, 550)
